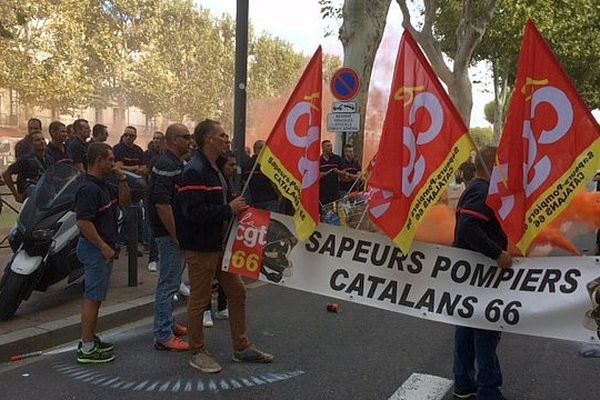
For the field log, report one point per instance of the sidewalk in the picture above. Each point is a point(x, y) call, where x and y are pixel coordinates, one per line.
point(51, 318)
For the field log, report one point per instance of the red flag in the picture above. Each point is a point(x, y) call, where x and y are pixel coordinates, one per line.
point(423, 142)
point(548, 150)
point(250, 239)
point(290, 158)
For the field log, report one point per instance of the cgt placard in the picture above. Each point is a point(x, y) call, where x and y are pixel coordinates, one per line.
point(556, 297)
point(249, 244)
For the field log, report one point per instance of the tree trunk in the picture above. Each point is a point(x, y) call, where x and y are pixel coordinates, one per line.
point(360, 34)
point(501, 96)
point(469, 33)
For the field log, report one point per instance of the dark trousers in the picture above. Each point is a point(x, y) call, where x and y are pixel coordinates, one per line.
point(479, 345)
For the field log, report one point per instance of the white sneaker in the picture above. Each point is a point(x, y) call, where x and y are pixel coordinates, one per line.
point(207, 320)
point(224, 314)
point(184, 290)
point(152, 266)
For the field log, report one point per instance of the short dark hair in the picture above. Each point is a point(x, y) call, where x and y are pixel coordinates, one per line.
point(203, 129)
point(55, 127)
point(97, 150)
point(78, 124)
point(131, 127)
point(39, 122)
point(348, 146)
point(325, 141)
point(485, 159)
point(98, 130)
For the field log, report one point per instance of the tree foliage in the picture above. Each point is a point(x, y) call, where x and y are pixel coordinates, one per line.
point(571, 28)
point(166, 57)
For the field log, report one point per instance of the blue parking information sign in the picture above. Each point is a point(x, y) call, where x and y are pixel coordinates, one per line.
point(345, 84)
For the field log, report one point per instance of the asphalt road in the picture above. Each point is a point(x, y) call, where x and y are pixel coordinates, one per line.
point(360, 353)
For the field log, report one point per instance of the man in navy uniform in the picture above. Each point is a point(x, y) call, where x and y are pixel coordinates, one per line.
point(96, 207)
point(478, 229)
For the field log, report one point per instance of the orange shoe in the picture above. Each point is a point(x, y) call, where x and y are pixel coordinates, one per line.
point(175, 344)
point(180, 330)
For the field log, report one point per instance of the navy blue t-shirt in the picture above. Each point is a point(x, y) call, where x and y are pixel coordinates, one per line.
point(164, 176)
point(330, 183)
point(129, 156)
point(55, 155)
point(78, 150)
point(28, 170)
point(97, 203)
point(352, 167)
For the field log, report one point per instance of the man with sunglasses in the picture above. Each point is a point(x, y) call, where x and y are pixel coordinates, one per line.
point(201, 212)
point(164, 177)
point(130, 156)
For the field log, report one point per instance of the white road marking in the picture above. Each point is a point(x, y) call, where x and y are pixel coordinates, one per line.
point(422, 387)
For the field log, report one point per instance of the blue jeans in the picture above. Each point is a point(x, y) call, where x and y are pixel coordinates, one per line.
point(472, 344)
point(170, 269)
point(96, 270)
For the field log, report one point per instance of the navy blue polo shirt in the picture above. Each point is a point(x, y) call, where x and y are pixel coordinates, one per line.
point(352, 167)
point(78, 150)
point(129, 156)
point(55, 154)
point(97, 203)
point(164, 176)
point(28, 170)
point(330, 183)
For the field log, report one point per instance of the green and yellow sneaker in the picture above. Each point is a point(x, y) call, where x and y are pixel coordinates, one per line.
point(93, 357)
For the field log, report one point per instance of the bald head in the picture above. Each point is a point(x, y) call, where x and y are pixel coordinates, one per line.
point(174, 130)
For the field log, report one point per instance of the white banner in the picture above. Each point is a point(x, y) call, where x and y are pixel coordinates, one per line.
point(551, 297)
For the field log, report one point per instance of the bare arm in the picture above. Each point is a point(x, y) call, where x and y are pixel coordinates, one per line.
point(124, 192)
point(89, 232)
point(7, 176)
point(165, 214)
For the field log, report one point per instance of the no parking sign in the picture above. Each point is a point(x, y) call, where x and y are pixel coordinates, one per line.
point(345, 83)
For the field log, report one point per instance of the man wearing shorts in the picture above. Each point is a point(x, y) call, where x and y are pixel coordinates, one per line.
point(96, 207)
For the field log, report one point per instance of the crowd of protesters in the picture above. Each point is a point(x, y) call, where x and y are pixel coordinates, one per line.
point(194, 190)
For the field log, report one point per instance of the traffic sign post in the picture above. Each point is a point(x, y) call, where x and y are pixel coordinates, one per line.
point(345, 118)
point(345, 84)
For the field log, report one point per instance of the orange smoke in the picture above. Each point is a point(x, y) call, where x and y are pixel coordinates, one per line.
point(437, 226)
point(581, 216)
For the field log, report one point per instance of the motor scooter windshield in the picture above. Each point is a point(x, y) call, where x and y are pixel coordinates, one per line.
point(54, 191)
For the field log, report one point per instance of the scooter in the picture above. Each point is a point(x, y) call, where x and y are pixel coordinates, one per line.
point(44, 239)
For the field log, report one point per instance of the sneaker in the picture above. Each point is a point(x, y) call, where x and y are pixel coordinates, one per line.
point(470, 394)
point(184, 289)
point(174, 344)
point(207, 320)
point(253, 355)
point(152, 266)
point(223, 314)
point(103, 347)
point(202, 361)
point(180, 330)
point(93, 357)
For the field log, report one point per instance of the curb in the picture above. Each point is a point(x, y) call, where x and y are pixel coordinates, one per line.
point(54, 333)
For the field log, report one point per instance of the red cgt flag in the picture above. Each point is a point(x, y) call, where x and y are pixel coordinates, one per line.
point(548, 150)
point(423, 142)
point(290, 158)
